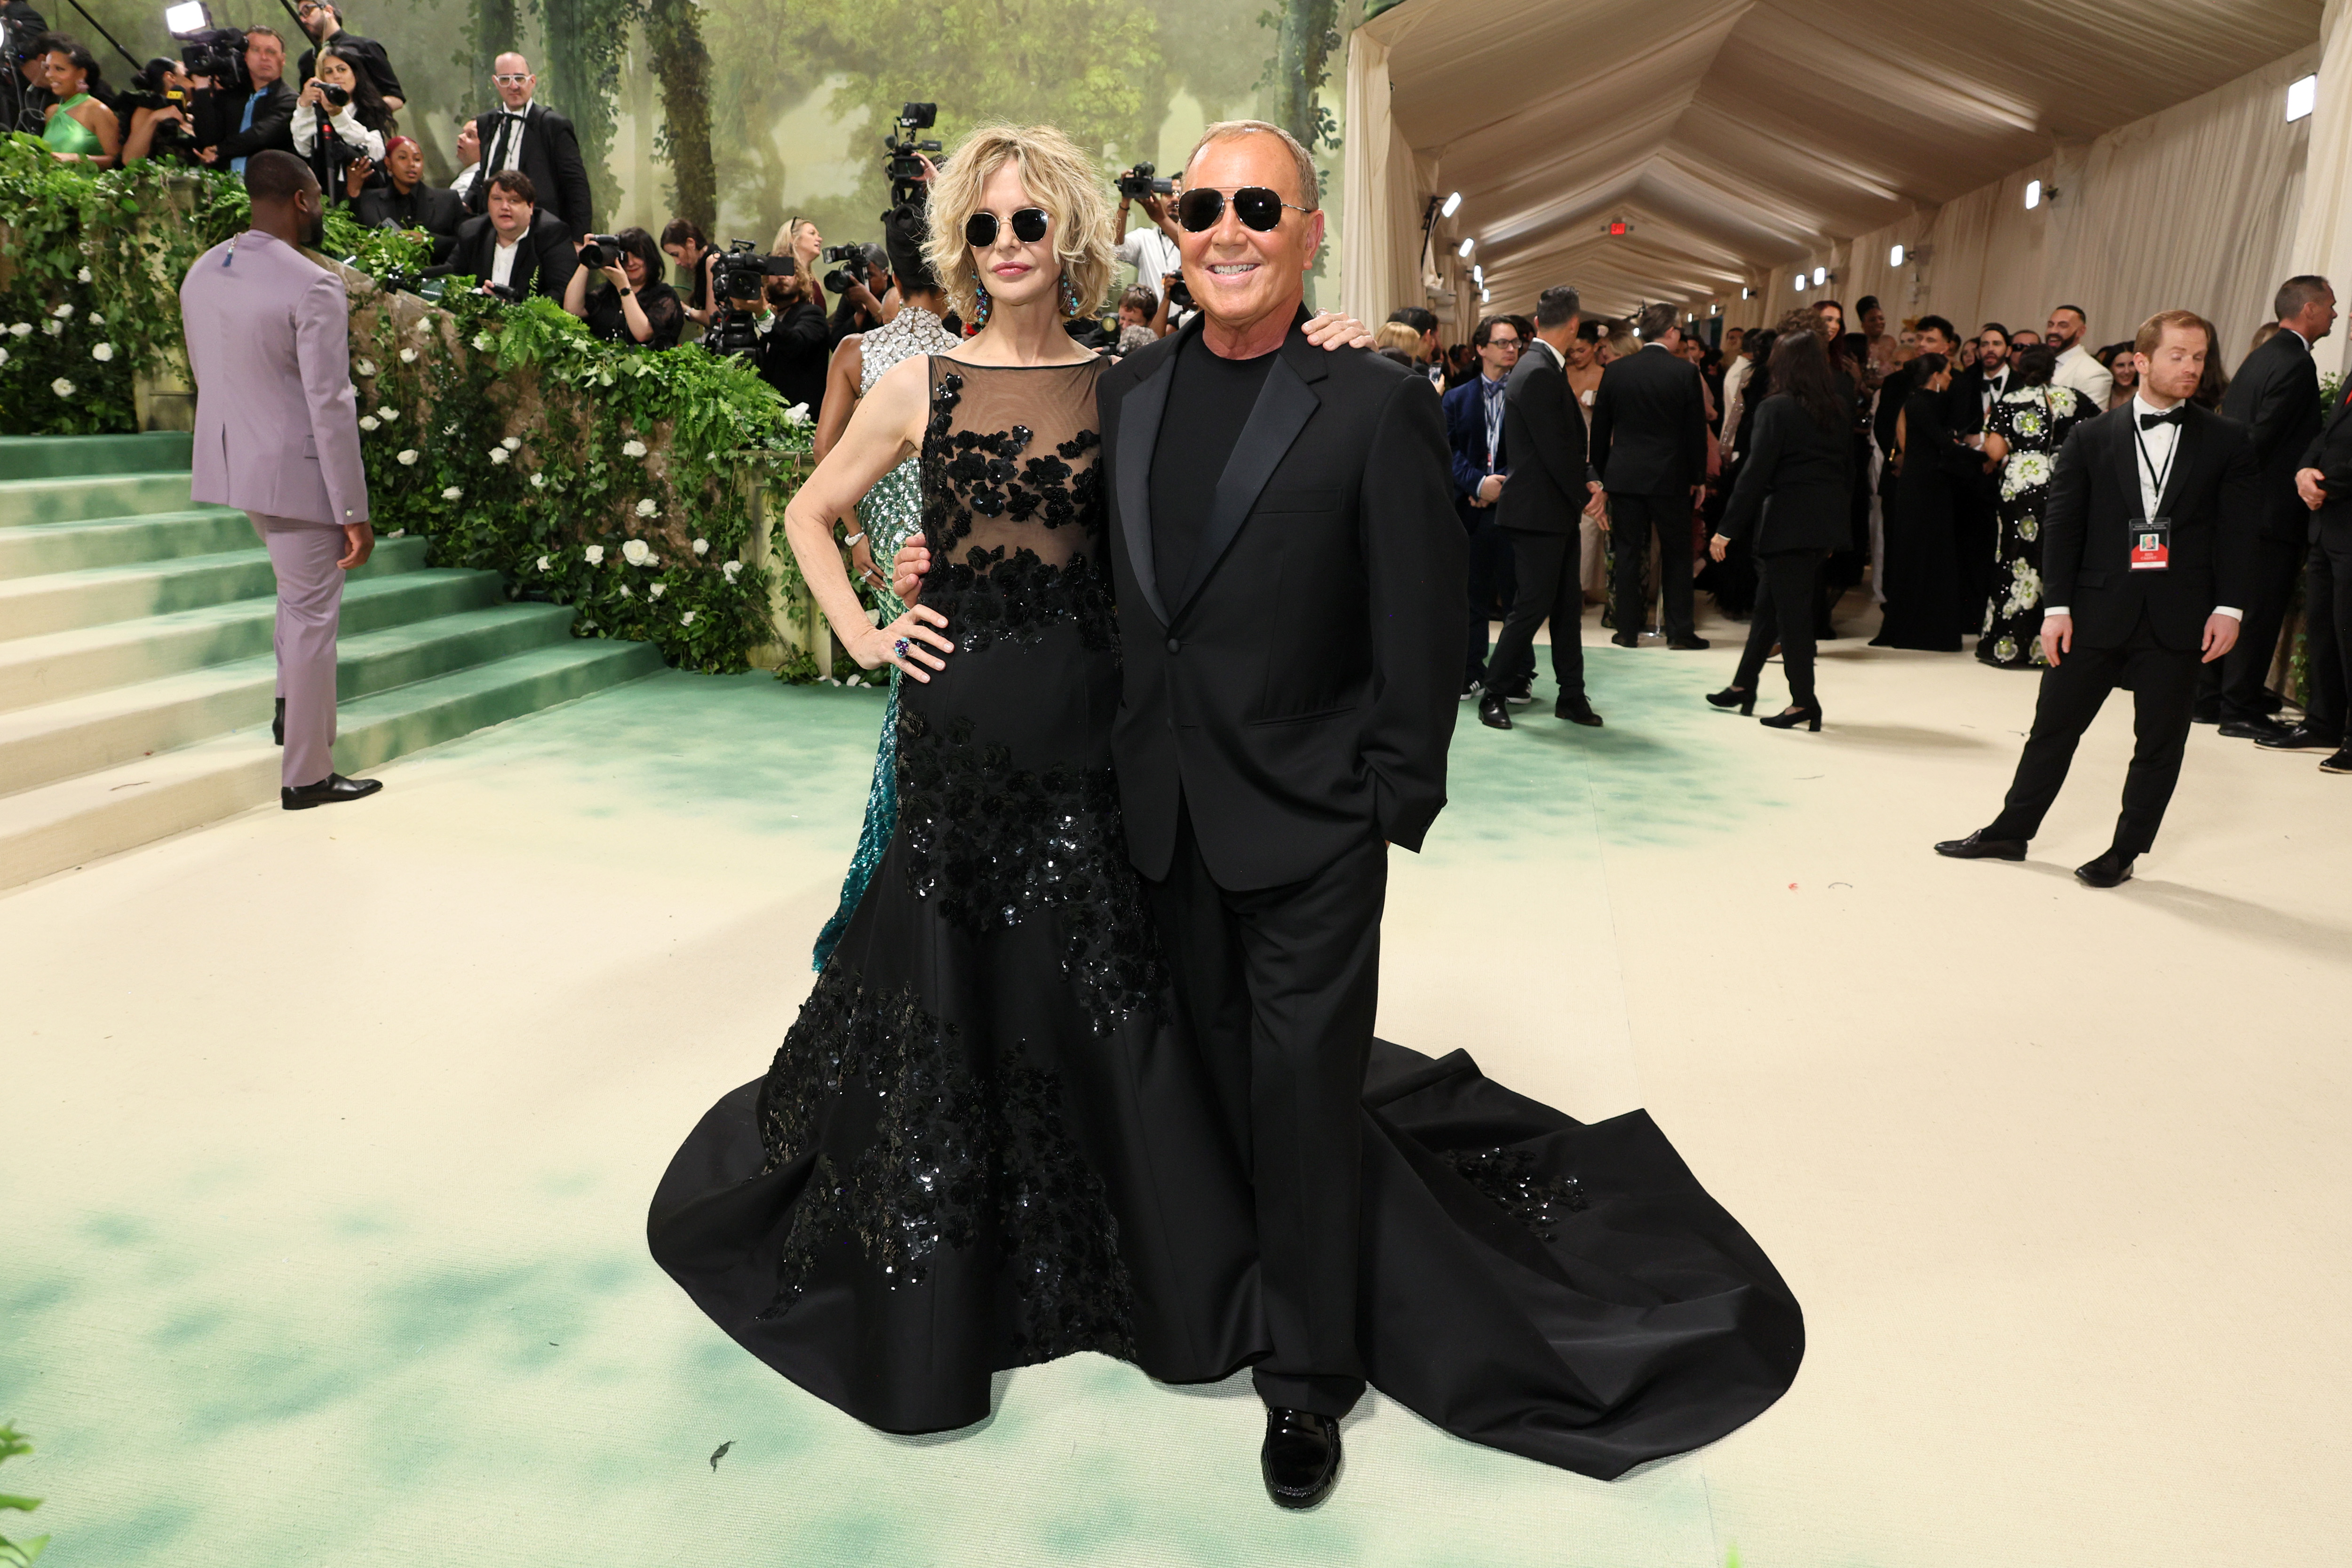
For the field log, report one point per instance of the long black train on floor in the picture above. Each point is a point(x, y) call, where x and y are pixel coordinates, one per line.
point(1561, 1290)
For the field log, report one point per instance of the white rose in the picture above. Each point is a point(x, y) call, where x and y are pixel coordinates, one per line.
point(408, 356)
point(387, 415)
point(63, 312)
point(542, 564)
point(4, 356)
point(645, 507)
point(732, 570)
point(538, 481)
point(632, 448)
point(484, 342)
point(686, 619)
point(103, 353)
point(512, 443)
point(453, 493)
point(55, 329)
point(626, 592)
point(636, 552)
point(656, 591)
point(408, 457)
point(20, 329)
point(62, 387)
point(82, 276)
point(498, 454)
point(797, 414)
point(702, 547)
point(365, 367)
point(595, 556)
point(96, 320)
point(367, 422)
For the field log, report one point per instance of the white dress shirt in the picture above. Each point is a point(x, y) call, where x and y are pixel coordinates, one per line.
point(2152, 456)
point(502, 259)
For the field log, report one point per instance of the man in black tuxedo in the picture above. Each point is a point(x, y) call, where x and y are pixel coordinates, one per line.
point(1649, 449)
point(2275, 394)
point(324, 23)
point(521, 134)
point(2147, 552)
point(1977, 515)
point(1538, 511)
point(2325, 485)
point(1286, 560)
point(515, 246)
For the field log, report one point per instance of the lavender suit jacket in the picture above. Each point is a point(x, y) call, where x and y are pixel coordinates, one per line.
point(277, 420)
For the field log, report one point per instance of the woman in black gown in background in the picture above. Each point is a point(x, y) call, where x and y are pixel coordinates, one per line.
point(986, 1143)
point(1925, 608)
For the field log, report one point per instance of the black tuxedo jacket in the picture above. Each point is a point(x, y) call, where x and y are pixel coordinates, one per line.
point(1806, 472)
point(1969, 398)
point(1299, 693)
point(550, 161)
point(1543, 429)
point(2275, 394)
point(543, 263)
point(1649, 424)
point(2331, 453)
point(2215, 500)
point(273, 124)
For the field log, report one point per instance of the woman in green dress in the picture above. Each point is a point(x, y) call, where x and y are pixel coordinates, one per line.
point(2023, 432)
point(81, 129)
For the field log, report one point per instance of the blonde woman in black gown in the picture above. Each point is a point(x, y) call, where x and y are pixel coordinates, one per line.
point(986, 1142)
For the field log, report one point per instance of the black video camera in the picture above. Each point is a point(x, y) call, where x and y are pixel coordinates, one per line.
point(849, 267)
point(602, 251)
point(904, 164)
point(737, 279)
point(1138, 183)
point(216, 55)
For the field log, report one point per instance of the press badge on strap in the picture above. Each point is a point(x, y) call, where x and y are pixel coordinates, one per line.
point(2151, 543)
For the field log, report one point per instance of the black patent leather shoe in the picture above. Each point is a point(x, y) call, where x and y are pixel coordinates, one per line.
point(2254, 730)
point(1688, 645)
point(1576, 711)
point(1301, 1456)
point(278, 725)
point(1977, 846)
point(1491, 711)
point(2341, 762)
point(1620, 639)
point(2112, 870)
point(333, 790)
point(2301, 738)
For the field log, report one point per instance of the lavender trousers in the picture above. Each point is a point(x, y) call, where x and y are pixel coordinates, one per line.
point(310, 604)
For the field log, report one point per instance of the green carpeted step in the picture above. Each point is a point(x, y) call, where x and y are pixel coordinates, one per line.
point(92, 658)
point(40, 548)
point(90, 499)
point(80, 734)
point(65, 456)
point(62, 600)
point(77, 820)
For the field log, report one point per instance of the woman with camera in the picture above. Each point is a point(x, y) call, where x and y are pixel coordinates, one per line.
point(82, 127)
point(339, 120)
point(638, 310)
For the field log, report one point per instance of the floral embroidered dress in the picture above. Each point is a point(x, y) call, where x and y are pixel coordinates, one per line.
point(2035, 421)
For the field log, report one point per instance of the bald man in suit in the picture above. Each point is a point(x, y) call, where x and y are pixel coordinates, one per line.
point(277, 437)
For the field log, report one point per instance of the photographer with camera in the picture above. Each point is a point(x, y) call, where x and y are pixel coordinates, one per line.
point(1150, 250)
point(82, 127)
point(514, 249)
point(637, 308)
point(683, 241)
point(24, 73)
point(341, 119)
point(324, 23)
point(406, 202)
point(790, 342)
point(264, 120)
point(162, 101)
point(860, 275)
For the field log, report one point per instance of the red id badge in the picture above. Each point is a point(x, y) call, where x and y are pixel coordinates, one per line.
point(2151, 543)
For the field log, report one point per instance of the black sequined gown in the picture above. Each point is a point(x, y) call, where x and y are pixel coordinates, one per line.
point(984, 1143)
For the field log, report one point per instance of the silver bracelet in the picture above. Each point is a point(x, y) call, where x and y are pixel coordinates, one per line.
point(853, 539)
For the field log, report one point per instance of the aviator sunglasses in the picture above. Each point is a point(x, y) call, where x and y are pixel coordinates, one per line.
point(1258, 208)
point(1028, 228)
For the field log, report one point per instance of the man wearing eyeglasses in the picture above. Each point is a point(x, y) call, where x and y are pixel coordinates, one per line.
point(522, 135)
point(1474, 428)
point(324, 23)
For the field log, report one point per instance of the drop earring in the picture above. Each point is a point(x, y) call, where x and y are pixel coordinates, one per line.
point(980, 316)
point(1069, 297)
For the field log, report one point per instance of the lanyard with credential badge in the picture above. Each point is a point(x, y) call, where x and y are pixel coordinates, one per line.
point(2151, 535)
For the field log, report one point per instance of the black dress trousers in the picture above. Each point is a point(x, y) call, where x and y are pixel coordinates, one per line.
point(1631, 519)
point(2327, 625)
point(1551, 588)
point(1788, 591)
point(1494, 574)
point(1279, 986)
point(2163, 684)
point(2240, 678)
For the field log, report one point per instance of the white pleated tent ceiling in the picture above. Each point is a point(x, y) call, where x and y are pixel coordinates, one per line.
point(1733, 136)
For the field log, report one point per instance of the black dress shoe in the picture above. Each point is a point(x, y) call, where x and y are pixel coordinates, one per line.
point(2111, 870)
point(1576, 711)
point(1741, 698)
point(1620, 640)
point(1491, 711)
point(1688, 645)
point(333, 790)
point(2301, 738)
point(278, 725)
point(2254, 730)
point(2206, 713)
point(1977, 846)
point(1301, 1456)
point(2341, 762)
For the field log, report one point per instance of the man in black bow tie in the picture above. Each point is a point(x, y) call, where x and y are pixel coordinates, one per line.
point(524, 135)
point(2147, 554)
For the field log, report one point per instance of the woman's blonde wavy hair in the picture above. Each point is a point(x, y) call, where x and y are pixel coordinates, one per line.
point(1061, 179)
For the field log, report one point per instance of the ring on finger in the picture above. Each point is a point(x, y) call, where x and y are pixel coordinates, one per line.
point(899, 648)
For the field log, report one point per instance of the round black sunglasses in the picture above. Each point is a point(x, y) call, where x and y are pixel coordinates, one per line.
point(1258, 208)
point(1029, 226)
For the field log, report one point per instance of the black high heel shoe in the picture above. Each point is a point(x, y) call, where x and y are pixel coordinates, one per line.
point(1811, 717)
point(1732, 697)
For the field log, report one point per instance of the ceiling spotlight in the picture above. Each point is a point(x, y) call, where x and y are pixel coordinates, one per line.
point(1478, 276)
point(1748, 293)
point(1452, 205)
point(1820, 276)
point(1485, 298)
point(1895, 257)
point(1800, 282)
point(2302, 97)
point(2032, 195)
point(1463, 249)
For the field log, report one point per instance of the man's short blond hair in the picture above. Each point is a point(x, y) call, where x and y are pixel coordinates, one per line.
point(1062, 180)
point(1310, 193)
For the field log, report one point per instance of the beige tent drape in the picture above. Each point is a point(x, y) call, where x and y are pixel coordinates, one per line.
point(1380, 226)
point(2322, 236)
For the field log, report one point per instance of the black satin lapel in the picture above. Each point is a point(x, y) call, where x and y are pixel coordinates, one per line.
point(2128, 453)
point(1284, 406)
point(1139, 438)
point(2185, 453)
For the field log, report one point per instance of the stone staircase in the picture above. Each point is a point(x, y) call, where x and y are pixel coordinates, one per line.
point(135, 664)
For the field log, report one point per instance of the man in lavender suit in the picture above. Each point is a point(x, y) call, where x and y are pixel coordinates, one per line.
point(277, 437)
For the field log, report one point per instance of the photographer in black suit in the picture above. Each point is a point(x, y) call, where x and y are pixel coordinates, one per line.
point(1649, 448)
point(515, 247)
point(2275, 394)
point(1539, 509)
point(2148, 552)
point(520, 134)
